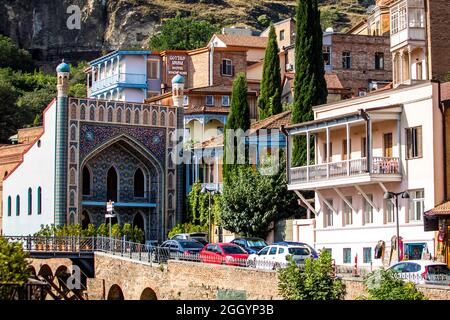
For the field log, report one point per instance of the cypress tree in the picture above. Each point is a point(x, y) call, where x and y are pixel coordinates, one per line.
point(310, 88)
point(269, 101)
point(239, 118)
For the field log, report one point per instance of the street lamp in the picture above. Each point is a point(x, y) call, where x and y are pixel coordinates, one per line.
point(395, 195)
point(210, 192)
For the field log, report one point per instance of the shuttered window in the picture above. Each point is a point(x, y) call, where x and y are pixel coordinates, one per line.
point(414, 142)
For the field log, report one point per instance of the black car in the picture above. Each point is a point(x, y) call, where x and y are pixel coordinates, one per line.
point(177, 249)
point(251, 245)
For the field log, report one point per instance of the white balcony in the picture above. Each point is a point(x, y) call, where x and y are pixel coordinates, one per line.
point(125, 79)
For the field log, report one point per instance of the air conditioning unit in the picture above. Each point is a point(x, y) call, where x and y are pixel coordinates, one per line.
point(289, 67)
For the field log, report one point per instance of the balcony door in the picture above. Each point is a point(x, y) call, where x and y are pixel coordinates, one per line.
point(387, 145)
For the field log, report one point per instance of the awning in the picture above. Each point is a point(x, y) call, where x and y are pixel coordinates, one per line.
point(440, 210)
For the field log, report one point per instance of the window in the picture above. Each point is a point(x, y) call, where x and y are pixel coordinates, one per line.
point(185, 101)
point(389, 211)
point(347, 254)
point(273, 251)
point(139, 184)
point(348, 212)
point(367, 255)
point(153, 69)
point(225, 101)
point(416, 205)
point(328, 214)
point(344, 150)
point(30, 201)
point(368, 210)
point(346, 60)
point(219, 130)
point(326, 158)
point(227, 67)
point(416, 18)
point(402, 18)
point(9, 206)
point(414, 142)
point(281, 34)
point(394, 21)
point(39, 201)
point(209, 100)
point(379, 61)
point(363, 147)
point(86, 181)
point(17, 205)
point(327, 56)
point(387, 141)
point(111, 185)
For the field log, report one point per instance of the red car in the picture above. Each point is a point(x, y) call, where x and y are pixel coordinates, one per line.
point(224, 253)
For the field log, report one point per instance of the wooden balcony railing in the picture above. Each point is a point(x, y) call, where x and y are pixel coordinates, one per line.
point(380, 165)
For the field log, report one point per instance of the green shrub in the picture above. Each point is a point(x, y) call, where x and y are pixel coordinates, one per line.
point(314, 281)
point(137, 235)
point(383, 285)
point(103, 230)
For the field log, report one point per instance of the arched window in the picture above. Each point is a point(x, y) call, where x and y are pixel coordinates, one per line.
point(119, 115)
point(170, 182)
point(163, 119)
point(72, 198)
point(136, 116)
point(82, 112)
point(86, 181)
point(154, 118)
point(73, 111)
point(171, 119)
point(92, 113)
point(72, 176)
point(9, 206)
point(101, 114)
point(85, 220)
point(30, 201)
point(128, 116)
point(72, 155)
point(111, 185)
point(73, 133)
point(139, 184)
point(170, 201)
point(145, 120)
point(39, 201)
point(110, 115)
point(17, 205)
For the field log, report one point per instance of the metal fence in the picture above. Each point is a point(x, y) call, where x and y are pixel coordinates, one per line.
point(433, 279)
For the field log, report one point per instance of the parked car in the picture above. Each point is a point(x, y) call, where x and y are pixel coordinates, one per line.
point(251, 245)
point(292, 243)
point(177, 249)
point(224, 253)
point(201, 237)
point(422, 272)
point(276, 256)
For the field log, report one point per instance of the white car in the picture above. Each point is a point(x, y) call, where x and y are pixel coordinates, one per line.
point(422, 272)
point(276, 256)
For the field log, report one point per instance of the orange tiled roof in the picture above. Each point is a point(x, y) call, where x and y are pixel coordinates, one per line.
point(243, 41)
point(441, 210)
point(206, 109)
point(331, 79)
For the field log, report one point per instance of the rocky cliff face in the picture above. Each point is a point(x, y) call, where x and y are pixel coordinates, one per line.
point(41, 26)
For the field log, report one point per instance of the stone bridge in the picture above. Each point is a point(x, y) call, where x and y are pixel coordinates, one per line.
point(118, 278)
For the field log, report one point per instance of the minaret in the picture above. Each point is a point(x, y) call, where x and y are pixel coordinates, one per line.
point(62, 106)
point(178, 90)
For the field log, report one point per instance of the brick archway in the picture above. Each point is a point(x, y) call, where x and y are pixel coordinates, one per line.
point(148, 294)
point(115, 293)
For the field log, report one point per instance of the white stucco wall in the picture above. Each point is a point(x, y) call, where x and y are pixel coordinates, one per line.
point(37, 170)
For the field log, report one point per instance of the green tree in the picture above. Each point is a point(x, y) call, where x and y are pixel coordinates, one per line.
point(252, 201)
point(383, 285)
point(103, 230)
point(8, 114)
point(116, 231)
point(13, 57)
point(127, 231)
point(269, 100)
point(239, 118)
point(182, 34)
point(14, 266)
point(313, 281)
point(310, 88)
point(137, 235)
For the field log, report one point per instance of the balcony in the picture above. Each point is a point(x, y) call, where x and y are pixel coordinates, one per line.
point(348, 172)
point(408, 24)
point(122, 79)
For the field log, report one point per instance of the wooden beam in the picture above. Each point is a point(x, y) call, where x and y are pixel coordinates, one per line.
point(306, 202)
point(366, 197)
point(326, 202)
point(344, 199)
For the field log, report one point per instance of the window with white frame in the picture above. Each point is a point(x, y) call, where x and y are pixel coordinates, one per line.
point(346, 60)
point(209, 100)
point(281, 35)
point(379, 60)
point(416, 205)
point(414, 142)
point(367, 255)
point(416, 18)
point(347, 255)
point(348, 212)
point(402, 17)
point(225, 101)
point(327, 55)
point(185, 101)
point(328, 214)
point(227, 67)
point(389, 211)
point(368, 210)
